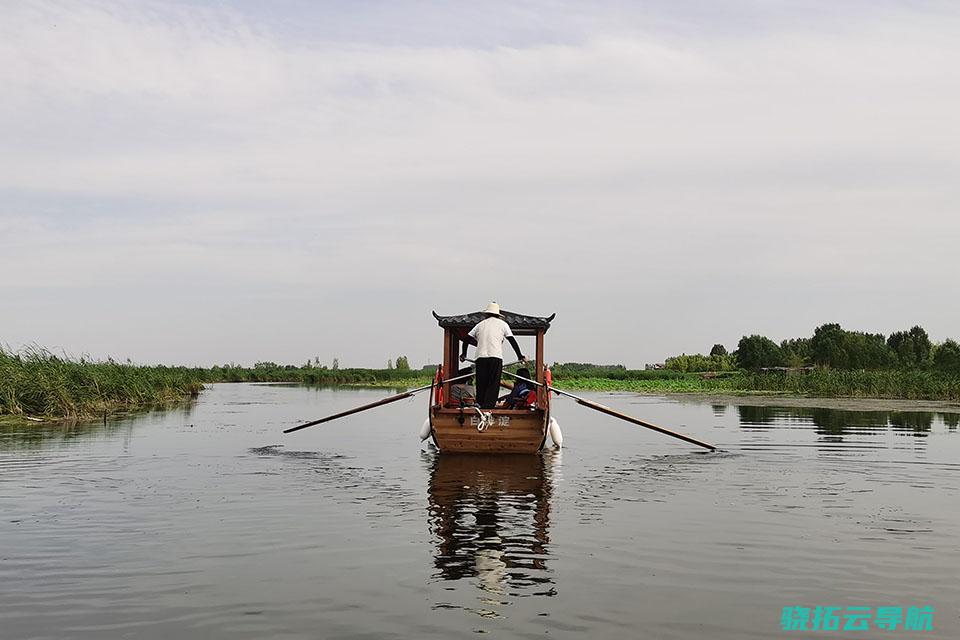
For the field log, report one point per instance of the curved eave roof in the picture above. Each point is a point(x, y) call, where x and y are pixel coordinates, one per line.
point(517, 321)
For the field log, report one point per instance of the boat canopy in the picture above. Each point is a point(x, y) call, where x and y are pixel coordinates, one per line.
point(519, 323)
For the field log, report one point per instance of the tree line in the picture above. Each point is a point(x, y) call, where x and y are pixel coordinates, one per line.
point(831, 346)
point(401, 364)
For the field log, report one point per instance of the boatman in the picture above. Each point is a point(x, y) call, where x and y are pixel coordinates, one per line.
point(488, 336)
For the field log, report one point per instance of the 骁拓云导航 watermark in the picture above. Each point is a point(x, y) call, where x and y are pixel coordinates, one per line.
point(860, 618)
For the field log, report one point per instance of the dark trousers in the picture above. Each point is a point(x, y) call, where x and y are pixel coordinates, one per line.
point(488, 381)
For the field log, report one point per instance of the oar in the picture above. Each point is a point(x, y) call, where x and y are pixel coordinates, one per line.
point(378, 403)
point(616, 414)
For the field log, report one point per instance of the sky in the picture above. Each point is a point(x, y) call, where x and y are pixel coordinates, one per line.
point(211, 182)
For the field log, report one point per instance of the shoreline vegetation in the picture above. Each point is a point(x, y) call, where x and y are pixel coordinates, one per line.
point(37, 385)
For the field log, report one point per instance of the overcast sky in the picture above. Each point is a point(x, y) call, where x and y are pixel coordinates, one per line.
point(203, 182)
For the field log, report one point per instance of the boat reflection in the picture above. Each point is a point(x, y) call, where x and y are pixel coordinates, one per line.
point(839, 422)
point(490, 516)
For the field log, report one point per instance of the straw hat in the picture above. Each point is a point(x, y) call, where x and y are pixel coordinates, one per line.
point(493, 309)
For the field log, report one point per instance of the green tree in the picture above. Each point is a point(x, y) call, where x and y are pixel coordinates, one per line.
point(921, 345)
point(796, 352)
point(911, 348)
point(718, 350)
point(756, 352)
point(402, 363)
point(826, 346)
point(946, 357)
point(867, 350)
point(832, 346)
point(697, 362)
point(336, 364)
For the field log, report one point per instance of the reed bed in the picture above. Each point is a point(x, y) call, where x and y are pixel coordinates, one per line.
point(823, 383)
point(316, 375)
point(38, 383)
point(902, 384)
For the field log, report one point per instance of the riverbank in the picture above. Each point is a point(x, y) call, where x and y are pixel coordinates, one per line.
point(756, 398)
point(819, 383)
point(36, 385)
point(818, 388)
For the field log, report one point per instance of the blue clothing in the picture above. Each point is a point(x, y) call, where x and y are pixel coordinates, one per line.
point(518, 395)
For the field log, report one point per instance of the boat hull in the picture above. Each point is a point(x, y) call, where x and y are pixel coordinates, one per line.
point(509, 431)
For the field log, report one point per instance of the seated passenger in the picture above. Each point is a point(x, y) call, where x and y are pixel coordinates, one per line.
point(464, 393)
point(522, 395)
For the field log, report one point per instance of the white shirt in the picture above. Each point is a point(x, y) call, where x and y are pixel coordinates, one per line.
point(490, 334)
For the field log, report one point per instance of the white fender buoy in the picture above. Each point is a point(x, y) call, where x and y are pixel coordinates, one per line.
point(425, 430)
point(555, 434)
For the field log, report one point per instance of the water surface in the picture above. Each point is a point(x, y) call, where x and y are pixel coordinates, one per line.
point(208, 522)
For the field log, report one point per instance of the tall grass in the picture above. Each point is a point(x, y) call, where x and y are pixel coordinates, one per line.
point(905, 384)
point(908, 385)
point(313, 375)
point(36, 382)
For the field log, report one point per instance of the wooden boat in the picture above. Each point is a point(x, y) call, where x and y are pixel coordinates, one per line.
point(457, 425)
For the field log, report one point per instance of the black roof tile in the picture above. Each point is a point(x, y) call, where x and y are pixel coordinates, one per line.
point(515, 320)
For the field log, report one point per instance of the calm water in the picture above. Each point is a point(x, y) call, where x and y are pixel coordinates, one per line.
point(207, 522)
